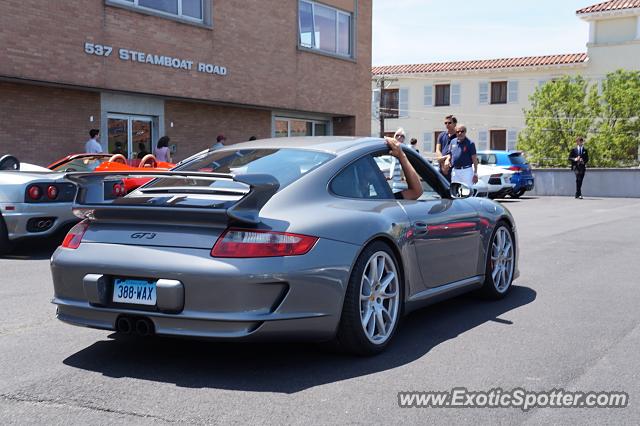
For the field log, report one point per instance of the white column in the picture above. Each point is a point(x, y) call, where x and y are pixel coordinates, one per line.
point(592, 32)
point(638, 27)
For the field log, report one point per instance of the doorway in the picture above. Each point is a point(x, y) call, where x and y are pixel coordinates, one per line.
point(130, 135)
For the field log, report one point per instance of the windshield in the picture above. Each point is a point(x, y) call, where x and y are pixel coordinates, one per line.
point(285, 164)
point(81, 164)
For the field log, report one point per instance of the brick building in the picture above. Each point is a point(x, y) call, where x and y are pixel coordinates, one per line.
point(189, 69)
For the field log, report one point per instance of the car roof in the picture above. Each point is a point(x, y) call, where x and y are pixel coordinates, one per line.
point(330, 144)
point(499, 151)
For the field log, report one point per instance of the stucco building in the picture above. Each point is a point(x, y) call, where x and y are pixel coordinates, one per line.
point(489, 96)
point(189, 69)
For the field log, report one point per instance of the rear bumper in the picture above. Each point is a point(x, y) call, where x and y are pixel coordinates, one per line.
point(297, 297)
point(16, 220)
point(526, 183)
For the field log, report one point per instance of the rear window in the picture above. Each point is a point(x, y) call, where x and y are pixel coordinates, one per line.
point(488, 159)
point(285, 164)
point(517, 158)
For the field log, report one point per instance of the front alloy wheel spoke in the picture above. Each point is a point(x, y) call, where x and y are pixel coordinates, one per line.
point(372, 276)
point(506, 252)
point(367, 316)
point(371, 324)
point(504, 276)
point(380, 261)
point(495, 272)
point(384, 283)
point(380, 321)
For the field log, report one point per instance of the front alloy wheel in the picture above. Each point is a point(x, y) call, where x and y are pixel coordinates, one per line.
point(500, 263)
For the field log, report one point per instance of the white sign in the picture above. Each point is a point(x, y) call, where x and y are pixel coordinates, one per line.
point(149, 58)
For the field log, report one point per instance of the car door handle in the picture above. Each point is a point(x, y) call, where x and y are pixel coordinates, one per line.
point(421, 227)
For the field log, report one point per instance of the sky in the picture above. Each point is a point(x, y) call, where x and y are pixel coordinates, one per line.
point(423, 31)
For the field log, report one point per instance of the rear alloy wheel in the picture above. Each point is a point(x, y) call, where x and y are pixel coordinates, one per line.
point(500, 262)
point(372, 305)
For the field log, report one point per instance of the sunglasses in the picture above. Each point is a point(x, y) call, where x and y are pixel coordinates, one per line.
point(400, 136)
point(448, 122)
point(461, 131)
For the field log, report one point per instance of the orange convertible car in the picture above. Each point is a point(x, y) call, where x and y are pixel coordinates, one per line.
point(110, 163)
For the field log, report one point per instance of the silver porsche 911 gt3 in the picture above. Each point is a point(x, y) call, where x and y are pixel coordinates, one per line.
point(293, 238)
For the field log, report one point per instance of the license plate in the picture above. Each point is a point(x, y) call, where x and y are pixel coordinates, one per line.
point(137, 292)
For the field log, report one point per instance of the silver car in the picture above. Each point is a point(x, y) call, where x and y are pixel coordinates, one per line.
point(34, 202)
point(292, 238)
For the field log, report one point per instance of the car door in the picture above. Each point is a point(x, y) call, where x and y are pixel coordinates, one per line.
point(446, 232)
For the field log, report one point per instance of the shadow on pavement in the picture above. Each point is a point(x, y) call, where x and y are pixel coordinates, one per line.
point(35, 248)
point(287, 367)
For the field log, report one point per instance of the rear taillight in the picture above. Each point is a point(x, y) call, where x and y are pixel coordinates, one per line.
point(34, 192)
point(52, 192)
point(515, 168)
point(118, 189)
point(252, 243)
point(74, 237)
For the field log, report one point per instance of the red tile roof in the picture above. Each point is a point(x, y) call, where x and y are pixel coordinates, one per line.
point(485, 64)
point(609, 6)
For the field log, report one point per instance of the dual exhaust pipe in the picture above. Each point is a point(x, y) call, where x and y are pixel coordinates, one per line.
point(141, 326)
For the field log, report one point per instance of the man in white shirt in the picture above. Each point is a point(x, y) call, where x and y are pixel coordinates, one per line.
point(93, 146)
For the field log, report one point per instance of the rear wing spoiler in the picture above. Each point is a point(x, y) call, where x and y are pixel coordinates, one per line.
point(91, 200)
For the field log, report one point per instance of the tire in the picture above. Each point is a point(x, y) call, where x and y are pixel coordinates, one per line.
point(501, 261)
point(5, 244)
point(518, 194)
point(369, 322)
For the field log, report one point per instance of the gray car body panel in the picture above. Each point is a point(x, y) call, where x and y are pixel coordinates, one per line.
point(298, 297)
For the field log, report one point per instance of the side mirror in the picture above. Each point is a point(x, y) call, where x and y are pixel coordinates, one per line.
point(459, 190)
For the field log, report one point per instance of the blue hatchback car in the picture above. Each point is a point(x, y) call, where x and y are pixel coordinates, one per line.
point(511, 160)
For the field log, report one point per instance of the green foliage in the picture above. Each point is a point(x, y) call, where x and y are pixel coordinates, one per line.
point(569, 107)
point(617, 131)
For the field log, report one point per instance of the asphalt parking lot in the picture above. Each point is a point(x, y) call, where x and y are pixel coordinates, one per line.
point(571, 322)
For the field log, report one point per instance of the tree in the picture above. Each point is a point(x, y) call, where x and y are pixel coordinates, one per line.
point(563, 109)
point(617, 129)
point(560, 111)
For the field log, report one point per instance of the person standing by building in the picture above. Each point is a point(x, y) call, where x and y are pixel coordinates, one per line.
point(579, 157)
point(442, 145)
point(395, 168)
point(220, 142)
point(93, 146)
point(461, 154)
point(162, 150)
point(414, 144)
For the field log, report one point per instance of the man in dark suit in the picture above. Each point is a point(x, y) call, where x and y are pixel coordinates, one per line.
point(579, 158)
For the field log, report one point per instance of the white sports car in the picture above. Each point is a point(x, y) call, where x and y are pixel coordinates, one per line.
point(498, 180)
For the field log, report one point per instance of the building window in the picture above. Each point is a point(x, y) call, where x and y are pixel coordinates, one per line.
point(498, 139)
point(190, 10)
point(390, 103)
point(325, 29)
point(498, 92)
point(290, 127)
point(443, 94)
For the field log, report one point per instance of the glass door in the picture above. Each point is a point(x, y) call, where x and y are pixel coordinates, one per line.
point(130, 135)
